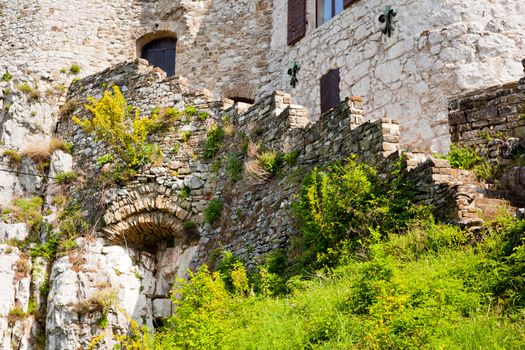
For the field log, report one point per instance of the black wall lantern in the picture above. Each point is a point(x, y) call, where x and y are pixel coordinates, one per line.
point(388, 18)
point(293, 73)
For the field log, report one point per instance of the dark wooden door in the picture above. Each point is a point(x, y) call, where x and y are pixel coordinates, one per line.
point(161, 53)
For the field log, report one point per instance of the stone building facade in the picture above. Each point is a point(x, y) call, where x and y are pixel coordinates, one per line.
point(230, 51)
point(239, 49)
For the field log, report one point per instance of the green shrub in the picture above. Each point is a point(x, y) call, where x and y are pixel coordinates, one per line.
point(214, 140)
point(66, 177)
point(216, 167)
point(342, 203)
point(214, 211)
point(202, 116)
point(185, 136)
point(24, 87)
point(164, 119)
point(6, 77)
point(15, 158)
point(121, 127)
point(74, 69)
point(463, 157)
point(290, 158)
point(175, 149)
point(191, 111)
point(28, 210)
point(189, 225)
point(271, 161)
point(233, 167)
point(105, 159)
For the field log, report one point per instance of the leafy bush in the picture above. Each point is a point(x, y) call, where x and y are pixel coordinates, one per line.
point(121, 127)
point(342, 203)
point(214, 140)
point(74, 69)
point(200, 313)
point(191, 111)
point(24, 87)
point(463, 157)
point(6, 77)
point(14, 157)
point(233, 167)
point(214, 211)
point(202, 116)
point(66, 177)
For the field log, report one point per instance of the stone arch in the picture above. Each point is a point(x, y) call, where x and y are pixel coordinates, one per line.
point(145, 217)
point(240, 92)
point(143, 37)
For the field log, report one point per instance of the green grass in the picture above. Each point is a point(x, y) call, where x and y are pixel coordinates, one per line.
point(435, 292)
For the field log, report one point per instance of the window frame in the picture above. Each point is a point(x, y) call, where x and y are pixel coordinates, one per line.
point(346, 4)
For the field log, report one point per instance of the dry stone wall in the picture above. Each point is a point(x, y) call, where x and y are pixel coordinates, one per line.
point(438, 49)
point(492, 121)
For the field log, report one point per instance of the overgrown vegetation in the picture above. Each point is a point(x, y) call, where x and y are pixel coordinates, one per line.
point(6, 77)
point(26, 210)
point(370, 270)
point(213, 211)
point(66, 177)
point(14, 157)
point(122, 128)
point(467, 158)
point(213, 142)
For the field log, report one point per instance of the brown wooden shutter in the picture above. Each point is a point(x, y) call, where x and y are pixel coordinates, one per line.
point(347, 3)
point(296, 20)
point(330, 90)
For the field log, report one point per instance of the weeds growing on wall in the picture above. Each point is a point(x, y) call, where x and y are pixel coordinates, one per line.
point(213, 211)
point(121, 127)
point(213, 142)
point(467, 158)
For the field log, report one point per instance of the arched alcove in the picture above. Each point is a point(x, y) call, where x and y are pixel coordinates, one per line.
point(240, 92)
point(159, 49)
point(147, 217)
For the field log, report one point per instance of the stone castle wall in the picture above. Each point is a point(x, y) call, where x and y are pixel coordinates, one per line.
point(143, 240)
point(219, 43)
point(438, 49)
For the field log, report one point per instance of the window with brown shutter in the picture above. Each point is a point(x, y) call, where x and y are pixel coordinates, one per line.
point(330, 90)
point(296, 20)
point(348, 3)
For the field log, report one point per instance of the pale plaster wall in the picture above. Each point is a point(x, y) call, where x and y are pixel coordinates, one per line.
point(439, 48)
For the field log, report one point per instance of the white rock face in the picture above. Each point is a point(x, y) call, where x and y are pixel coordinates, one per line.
point(138, 285)
point(13, 231)
point(15, 281)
